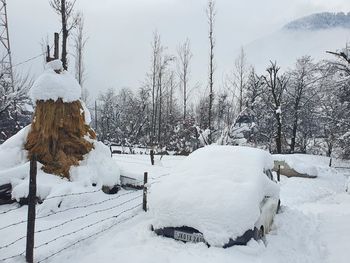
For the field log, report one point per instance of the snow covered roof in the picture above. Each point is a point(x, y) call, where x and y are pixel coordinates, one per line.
point(216, 190)
point(51, 85)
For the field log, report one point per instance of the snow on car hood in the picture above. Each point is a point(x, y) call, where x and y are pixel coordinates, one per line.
point(216, 190)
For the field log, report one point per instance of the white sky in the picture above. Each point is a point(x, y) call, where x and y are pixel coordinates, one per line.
point(120, 32)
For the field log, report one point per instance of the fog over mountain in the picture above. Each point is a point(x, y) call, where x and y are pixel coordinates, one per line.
point(311, 35)
point(325, 20)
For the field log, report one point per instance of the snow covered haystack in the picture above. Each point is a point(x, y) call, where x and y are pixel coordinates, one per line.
point(60, 136)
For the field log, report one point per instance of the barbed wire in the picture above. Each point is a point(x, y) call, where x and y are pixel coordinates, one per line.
point(160, 176)
point(23, 221)
point(153, 178)
point(34, 57)
point(9, 210)
point(88, 205)
point(85, 238)
point(73, 194)
point(12, 243)
point(52, 197)
point(77, 207)
point(11, 257)
point(88, 226)
point(71, 220)
point(28, 60)
point(86, 215)
point(61, 211)
point(80, 240)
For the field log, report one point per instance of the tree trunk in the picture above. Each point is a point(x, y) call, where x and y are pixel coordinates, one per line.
point(294, 134)
point(279, 133)
point(64, 34)
point(160, 107)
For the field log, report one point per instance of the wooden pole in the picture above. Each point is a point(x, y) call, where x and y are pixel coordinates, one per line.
point(31, 210)
point(48, 53)
point(95, 116)
point(145, 180)
point(56, 46)
point(152, 156)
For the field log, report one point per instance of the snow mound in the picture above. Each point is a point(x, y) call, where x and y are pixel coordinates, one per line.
point(51, 85)
point(12, 151)
point(216, 190)
point(97, 169)
point(304, 163)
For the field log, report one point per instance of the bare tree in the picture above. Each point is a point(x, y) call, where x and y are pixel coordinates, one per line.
point(79, 46)
point(236, 84)
point(241, 75)
point(163, 63)
point(211, 13)
point(301, 92)
point(183, 68)
point(64, 8)
point(14, 116)
point(156, 50)
point(276, 86)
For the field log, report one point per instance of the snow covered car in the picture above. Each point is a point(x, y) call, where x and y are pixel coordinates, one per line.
point(220, 195)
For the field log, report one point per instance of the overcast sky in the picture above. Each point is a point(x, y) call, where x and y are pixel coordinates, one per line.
point(120, 32)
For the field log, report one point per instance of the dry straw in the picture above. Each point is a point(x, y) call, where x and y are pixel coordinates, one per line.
point(57, 135)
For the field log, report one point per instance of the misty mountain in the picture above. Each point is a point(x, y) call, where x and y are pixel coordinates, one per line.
point(320, 21)
point(311, 35)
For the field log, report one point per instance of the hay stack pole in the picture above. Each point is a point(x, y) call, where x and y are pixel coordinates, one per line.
point(59, 135)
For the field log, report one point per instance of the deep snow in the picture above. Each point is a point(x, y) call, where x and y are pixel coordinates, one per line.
point(231, 176)
point(312, 227)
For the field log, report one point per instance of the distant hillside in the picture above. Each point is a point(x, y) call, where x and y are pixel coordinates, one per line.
point(318, 21)
point(311, 35)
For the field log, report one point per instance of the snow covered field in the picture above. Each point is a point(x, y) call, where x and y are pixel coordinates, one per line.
point(313, 225)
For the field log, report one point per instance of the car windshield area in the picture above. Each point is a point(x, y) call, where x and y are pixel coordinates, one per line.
point(269, 174)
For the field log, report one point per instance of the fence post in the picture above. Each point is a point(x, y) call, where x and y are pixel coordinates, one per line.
point(152, 156)
point(279, 173)
point(31, 210)
point(145, 180)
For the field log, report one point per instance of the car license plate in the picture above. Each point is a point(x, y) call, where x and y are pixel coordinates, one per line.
point(187, 237)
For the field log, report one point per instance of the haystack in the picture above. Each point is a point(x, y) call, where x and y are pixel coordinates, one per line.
point(60, 135)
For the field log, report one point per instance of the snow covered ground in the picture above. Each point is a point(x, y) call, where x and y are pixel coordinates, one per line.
point(312, 227)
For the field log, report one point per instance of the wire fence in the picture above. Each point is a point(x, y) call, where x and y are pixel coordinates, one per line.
point(9, 210)
point(97, 210)
point(71, 220)
point(137, 197)
point(85, 238)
